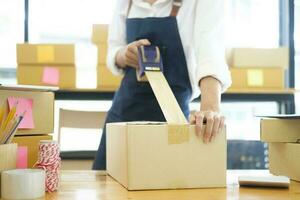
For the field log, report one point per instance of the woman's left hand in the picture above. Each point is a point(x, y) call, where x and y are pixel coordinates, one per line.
point(215, 123)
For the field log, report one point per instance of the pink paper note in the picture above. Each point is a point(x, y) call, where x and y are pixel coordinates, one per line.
point(50, 76)
point(22, 157)
point(24, 105)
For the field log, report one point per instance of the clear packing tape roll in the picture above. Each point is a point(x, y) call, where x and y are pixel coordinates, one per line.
point(23, 184)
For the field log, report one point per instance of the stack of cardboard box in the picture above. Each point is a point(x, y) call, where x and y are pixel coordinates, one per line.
point(259, 68)
point(283, 137)
point(106, 81)
point(41, 113)
point(46, 64)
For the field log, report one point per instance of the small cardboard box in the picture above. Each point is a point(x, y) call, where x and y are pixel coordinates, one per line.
point(102, 54)
point(258, 57)
point(107, 81)
point(63, 76)
point(243, 78)
point(279, 130)
point(63, 54)
point(8, 158)
point(146, 156)
point(42, 108)
point(100, 33)
point(284, 159)
point(32, 143)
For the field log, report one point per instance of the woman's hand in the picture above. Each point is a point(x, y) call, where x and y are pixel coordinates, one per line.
point(128, 56)
point(209, 110)
point(215, 123)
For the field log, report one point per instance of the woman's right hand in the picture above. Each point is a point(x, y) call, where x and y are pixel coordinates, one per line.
point(128, 56)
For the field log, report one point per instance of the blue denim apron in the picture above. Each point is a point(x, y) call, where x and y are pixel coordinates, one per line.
point(135, 101)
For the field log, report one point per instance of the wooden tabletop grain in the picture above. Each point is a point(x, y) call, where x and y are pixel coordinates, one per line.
point(90, 185)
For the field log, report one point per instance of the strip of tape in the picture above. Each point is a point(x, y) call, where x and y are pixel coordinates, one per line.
point(178, 133)
point(178, 127)
point(166, 98)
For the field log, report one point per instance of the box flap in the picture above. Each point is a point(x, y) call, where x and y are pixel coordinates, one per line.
point(145, 123)
point(294, 116)
point(28, 88)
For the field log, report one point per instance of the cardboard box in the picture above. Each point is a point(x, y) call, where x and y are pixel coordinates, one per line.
point(257, 57)
point(63, 54)
point(284, 159)
point(106, 80)
point(100, 33)
point(280, 130)
point(42, 109)
point(146, 156)
point(8, 158)
point(32, 143)
point(64, 77)
point(243, 78)
point(102, 54)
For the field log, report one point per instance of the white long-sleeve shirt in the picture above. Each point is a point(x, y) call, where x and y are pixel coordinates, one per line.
point(200, 24)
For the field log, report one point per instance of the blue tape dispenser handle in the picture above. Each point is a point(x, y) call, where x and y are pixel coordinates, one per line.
point(150, 59)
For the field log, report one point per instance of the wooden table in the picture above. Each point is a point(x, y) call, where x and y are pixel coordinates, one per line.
point(90, 185)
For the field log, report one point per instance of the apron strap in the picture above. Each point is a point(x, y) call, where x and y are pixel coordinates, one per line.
point(175, 8)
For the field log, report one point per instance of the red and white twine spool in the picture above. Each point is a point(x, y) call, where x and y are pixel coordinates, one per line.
point(49, 160)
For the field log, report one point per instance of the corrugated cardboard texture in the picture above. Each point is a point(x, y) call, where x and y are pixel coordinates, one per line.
point(102, 54)
point(36, 54)
point(141, 158)
point(106, 80)
point(32, 143)
point(43, 110)
point(257, 57)
point(8, 158)
point(284, 159)
point(280, 130)
point(100, 33)
point(117, 152)
point(243, 78)
point(33, 75)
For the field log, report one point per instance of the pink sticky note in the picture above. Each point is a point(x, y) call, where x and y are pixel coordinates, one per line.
point(23, 105)
point(22, 157)
point(50, 76)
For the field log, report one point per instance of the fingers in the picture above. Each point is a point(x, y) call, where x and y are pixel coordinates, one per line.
point(192, 119)
point(199, 123)
point(222, 124)
point(143, 42)
point(131, 53)
point(131, 56)
point(209, 127)
point(215, 128)
point(214, 124)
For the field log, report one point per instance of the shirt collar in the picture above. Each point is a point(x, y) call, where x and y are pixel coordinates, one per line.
point(144, 4)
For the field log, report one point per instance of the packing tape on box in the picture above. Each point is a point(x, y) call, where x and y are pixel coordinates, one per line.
point(178, 133)
point(23, 184)
point(151, 67)
point(166, 98)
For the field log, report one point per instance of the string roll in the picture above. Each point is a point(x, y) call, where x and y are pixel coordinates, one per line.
point(49, 160)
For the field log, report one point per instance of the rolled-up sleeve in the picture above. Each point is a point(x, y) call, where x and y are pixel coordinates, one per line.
point(209, 42)
point(116, 36)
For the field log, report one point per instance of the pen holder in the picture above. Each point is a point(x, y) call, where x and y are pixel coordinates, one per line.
point(8, 158)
